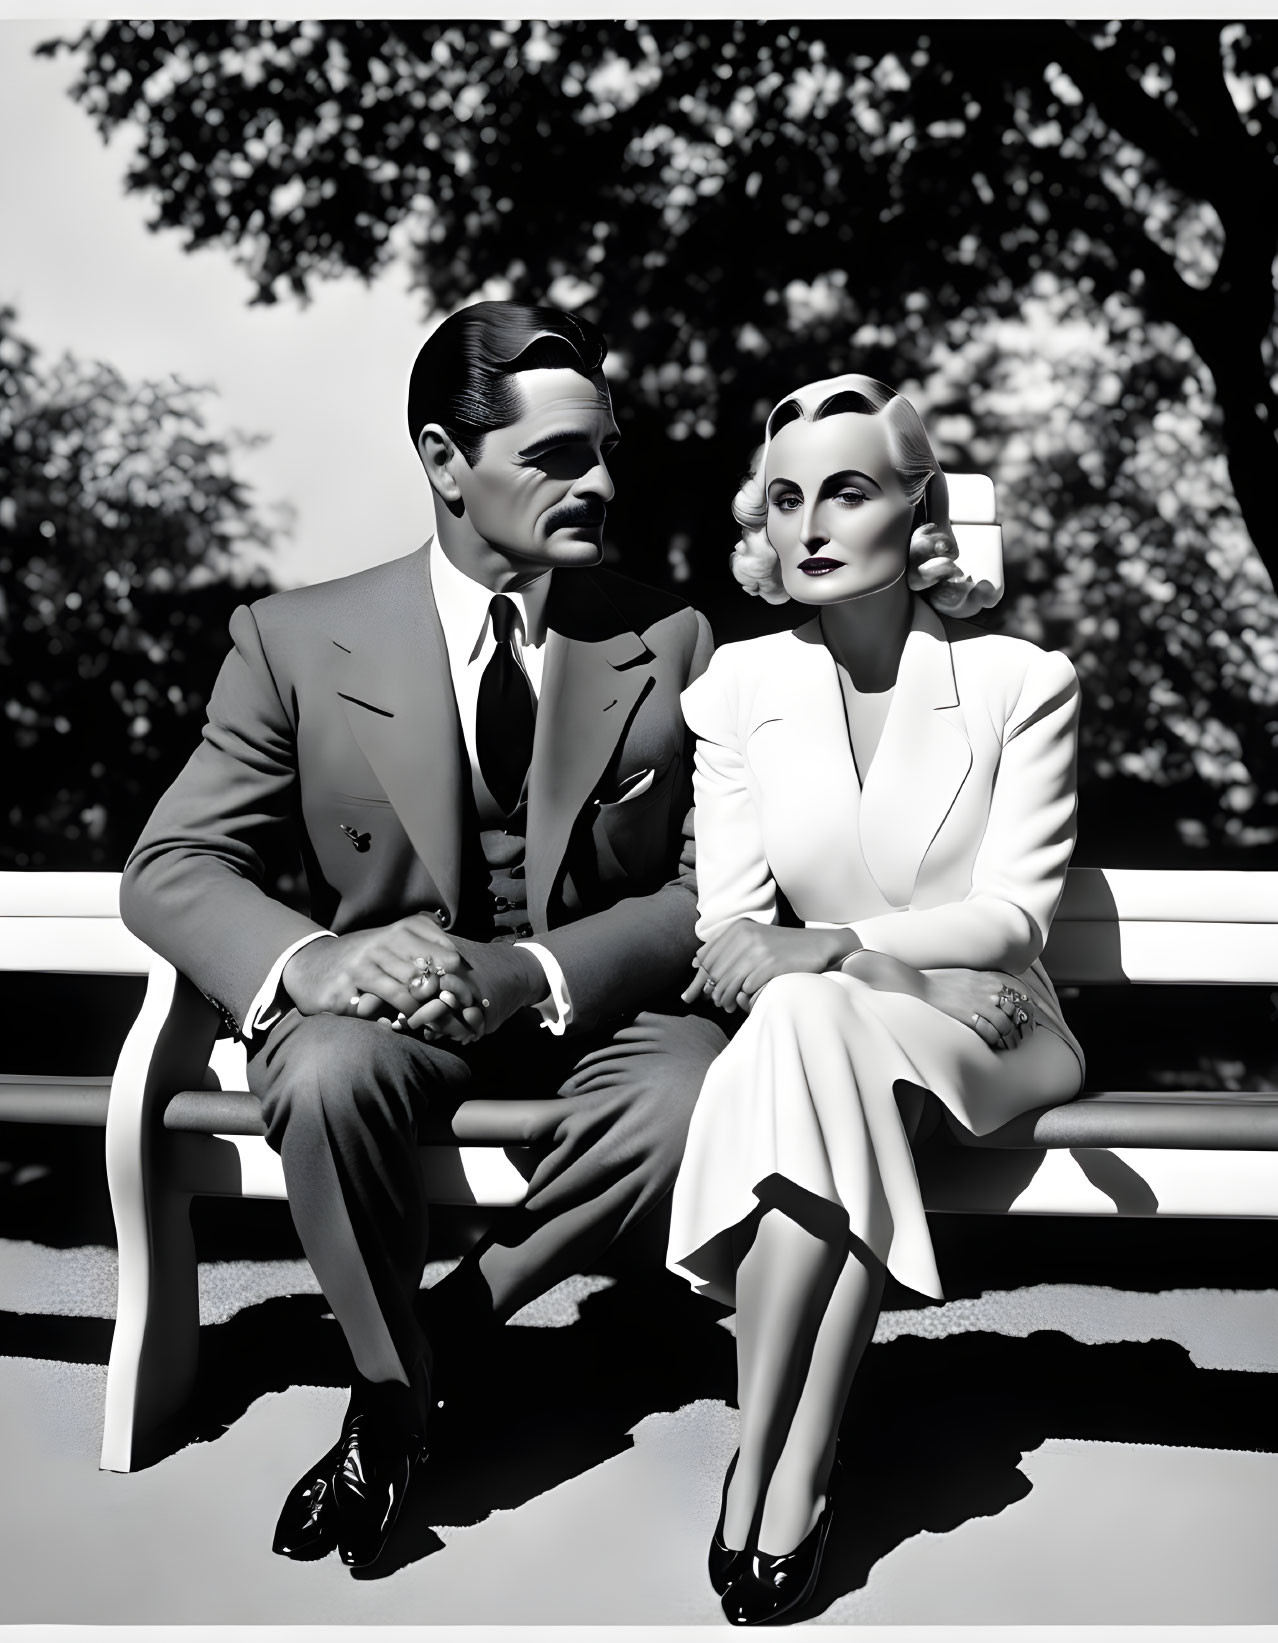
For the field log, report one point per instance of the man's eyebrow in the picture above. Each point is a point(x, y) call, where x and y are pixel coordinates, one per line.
point(561, 436)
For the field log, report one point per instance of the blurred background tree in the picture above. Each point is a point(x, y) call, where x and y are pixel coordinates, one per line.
point(121, 520)
point(1059, 238)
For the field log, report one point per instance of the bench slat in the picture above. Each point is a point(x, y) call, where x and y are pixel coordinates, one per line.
point(59, 895)
point(1208, 1120)
point(1186, 896)
point(72, 946)
point(26, 1099)
point(1184, 954)
point(478, 1122)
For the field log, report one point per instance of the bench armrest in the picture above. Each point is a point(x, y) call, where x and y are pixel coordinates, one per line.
point(167, 1050)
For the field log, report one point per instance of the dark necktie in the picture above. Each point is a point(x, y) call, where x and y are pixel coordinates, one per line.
point(505, 713)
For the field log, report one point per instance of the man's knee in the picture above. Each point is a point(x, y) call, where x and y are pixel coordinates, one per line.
point(330, 1072)
point(684, 1047)
point(666, 1086)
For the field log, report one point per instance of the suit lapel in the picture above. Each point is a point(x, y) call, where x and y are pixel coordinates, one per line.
point(596, 670)
point(393, 679)
point(921, 763)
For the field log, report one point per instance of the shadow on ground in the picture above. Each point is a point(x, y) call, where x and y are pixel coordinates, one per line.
point(539, 1407)
point(936, 1430)
point(934, 1436)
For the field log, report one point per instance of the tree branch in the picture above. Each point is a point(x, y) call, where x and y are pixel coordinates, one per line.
point(1121, 103)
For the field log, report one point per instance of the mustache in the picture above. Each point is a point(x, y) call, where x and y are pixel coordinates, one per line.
point(587, 511)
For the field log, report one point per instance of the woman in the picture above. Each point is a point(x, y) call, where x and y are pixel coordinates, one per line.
point(885, 808)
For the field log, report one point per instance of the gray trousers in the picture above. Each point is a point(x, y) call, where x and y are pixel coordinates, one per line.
point(344, 1100)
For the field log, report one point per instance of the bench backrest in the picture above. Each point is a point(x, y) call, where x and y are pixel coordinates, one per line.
point(974, 521)
point(1114, 925)
point(1186, 926)
point(67, 923)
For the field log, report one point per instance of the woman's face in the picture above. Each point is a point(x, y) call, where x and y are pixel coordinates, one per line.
point(837, 515)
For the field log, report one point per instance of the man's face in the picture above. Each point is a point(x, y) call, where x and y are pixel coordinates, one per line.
point(539, 489)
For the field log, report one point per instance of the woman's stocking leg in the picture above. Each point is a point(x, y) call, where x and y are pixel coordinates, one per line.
point(784, 1282)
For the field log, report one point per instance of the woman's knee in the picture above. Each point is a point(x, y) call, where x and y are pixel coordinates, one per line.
point(800, 995)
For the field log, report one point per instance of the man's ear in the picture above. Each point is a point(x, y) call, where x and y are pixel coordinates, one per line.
point(440, 456)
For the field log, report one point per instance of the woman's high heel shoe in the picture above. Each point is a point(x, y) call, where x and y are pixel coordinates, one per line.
point(724, 1563)
point(767, 1587)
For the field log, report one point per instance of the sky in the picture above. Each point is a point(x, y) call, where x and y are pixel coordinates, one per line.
point(325, 383)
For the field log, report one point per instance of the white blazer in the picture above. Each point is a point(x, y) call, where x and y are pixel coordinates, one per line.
point(952, 856)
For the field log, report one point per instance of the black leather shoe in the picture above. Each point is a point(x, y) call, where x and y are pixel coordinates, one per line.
point(307, 1526)
point(375, 1465)
point(724, 1563)
point(769, 1586)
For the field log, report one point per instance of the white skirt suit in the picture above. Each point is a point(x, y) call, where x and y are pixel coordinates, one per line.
point(952, 855)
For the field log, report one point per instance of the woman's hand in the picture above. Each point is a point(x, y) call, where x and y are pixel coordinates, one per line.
point(736, 962)
point(982, 1000)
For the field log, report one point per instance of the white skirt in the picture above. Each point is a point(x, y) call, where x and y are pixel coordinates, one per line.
point(806, 1091)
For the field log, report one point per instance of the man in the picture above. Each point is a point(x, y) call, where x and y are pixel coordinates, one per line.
point(480, 750)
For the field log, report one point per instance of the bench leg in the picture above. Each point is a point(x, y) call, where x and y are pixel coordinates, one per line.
point(155, 1348)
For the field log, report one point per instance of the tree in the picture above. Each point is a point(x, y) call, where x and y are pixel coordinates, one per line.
point(744, 206)
point(121, 524)
point(738, 203)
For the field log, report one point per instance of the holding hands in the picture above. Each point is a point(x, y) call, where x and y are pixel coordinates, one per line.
point(407, 974)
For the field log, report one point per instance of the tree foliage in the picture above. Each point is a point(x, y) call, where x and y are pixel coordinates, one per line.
point(693, 183)
point(120, 522)
point(1176, 636)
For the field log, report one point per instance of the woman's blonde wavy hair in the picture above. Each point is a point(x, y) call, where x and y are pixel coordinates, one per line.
point(933, 567)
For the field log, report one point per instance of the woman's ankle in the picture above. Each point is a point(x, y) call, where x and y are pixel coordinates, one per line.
point(796, 1497)
point(741, 1508)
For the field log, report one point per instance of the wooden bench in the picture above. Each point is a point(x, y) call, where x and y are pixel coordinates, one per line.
point(180, 1122)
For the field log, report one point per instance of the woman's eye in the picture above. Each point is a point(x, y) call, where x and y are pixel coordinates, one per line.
point(787, 503)
point(851, 496)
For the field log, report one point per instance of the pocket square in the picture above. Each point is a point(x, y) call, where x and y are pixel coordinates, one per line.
point(630, 787)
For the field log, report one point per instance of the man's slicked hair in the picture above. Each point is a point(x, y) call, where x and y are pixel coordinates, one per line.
point(463, 376)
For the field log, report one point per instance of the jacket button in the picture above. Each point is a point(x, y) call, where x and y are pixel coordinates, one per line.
point(441, 917)
point(500, 903)
point(524, 930)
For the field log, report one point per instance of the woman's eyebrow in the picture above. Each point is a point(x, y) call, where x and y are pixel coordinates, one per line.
point(832, 481)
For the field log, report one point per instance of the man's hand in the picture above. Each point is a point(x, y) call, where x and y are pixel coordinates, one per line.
point(507, 978)
point(393, 966)
point(736, 962)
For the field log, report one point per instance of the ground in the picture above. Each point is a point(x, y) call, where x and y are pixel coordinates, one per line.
point(1083, 1433)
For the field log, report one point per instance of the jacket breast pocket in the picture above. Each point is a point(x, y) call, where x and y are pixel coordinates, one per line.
point(631, 833)
point(375, 799)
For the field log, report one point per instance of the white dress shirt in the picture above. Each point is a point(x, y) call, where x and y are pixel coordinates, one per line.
point(463, 605)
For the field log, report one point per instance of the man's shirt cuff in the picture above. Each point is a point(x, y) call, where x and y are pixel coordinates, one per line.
point(271, 1001)
point(556, 1009)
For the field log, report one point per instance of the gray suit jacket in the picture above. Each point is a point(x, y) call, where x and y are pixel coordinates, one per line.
point(334, 713)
